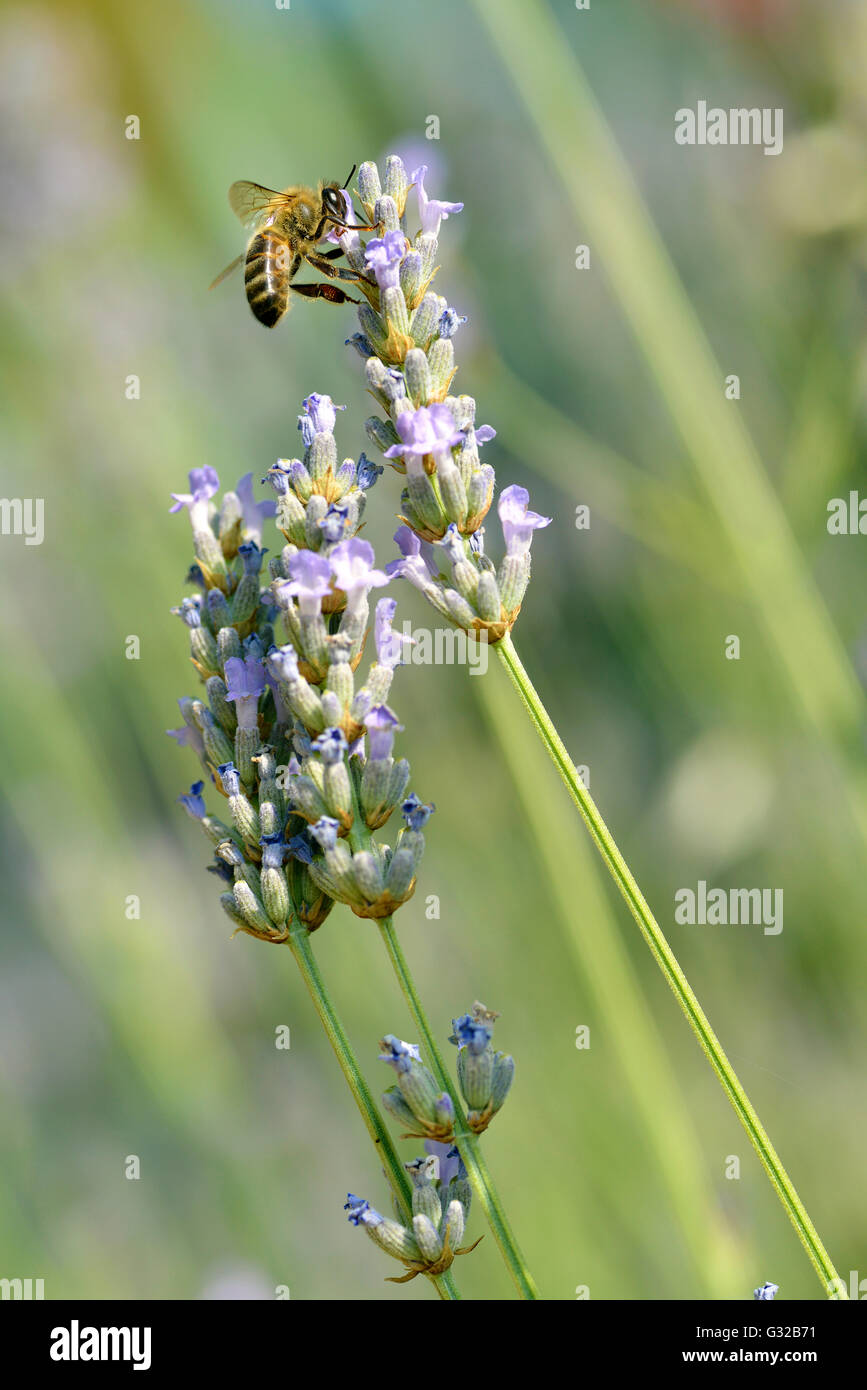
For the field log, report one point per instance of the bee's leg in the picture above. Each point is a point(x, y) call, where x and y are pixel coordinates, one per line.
point(332, 293)
point(330, 255)
point(338, 272)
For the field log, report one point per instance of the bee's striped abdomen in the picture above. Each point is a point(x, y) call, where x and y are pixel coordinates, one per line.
point(267, 274)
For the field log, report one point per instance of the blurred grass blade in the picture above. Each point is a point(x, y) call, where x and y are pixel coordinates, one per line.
point(605, 198)
point(585, 919)
point(659, 516)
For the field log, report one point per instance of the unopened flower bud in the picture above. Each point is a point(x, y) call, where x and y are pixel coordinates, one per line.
point(397, 1106)
point(386, 212)
point(218, 749)
point(513, 577)
point(219, 613)
point(222, 709)
point(244, 816)
point(411, 281)
point(423, 324)
point(452, 491)
point(418, 376)
point(480, 490)
point(488, 597)
point(441, 362)
point(210, 556)
point(394, 310)
point(275, 894)
point(416, 1083)
point(427, 1237)
point(368, 875)
point(424, 503)
point(501, 1082)
point(229, 645)
point(382, 433)
point(369, 187)
point(396, 182)
point(401, 872)
point(453, 1230)
point(250, 908)
point(458, 609)
point(305, 798)
point(204, 650)
point(232, 911)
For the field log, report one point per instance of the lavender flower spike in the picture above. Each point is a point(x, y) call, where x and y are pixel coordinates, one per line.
point(430, 434)
point(283, 735)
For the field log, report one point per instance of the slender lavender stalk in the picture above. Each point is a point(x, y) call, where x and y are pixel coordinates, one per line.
point(406, 340)
point(299, 942)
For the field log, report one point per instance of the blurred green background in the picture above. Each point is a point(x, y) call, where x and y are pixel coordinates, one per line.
point(708, 518)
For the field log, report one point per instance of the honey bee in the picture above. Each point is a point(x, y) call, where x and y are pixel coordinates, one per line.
point(285, 230)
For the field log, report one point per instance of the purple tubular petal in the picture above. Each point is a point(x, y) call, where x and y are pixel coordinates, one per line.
point(518, 523)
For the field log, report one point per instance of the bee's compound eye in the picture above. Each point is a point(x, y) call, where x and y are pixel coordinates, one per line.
point(332, 201)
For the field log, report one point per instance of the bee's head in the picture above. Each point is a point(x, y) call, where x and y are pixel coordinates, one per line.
point(332, 202)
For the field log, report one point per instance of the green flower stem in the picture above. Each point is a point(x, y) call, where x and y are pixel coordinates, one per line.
point(467, 1143)
point(299, 944)
point(667, 962)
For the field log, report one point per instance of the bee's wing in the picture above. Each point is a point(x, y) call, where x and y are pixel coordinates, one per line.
point(223, 273)
point(254, 205)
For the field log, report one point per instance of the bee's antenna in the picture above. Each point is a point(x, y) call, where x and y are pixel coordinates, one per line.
point(349, 175)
